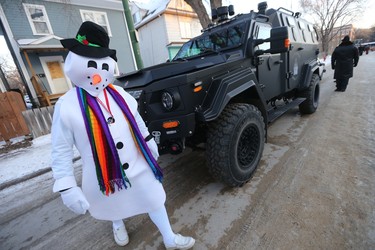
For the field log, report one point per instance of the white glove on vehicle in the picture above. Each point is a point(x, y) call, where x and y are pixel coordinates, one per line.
point(75, 200)
point(153, 148)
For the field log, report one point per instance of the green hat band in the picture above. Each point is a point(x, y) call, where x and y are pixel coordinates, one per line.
point(83, 40)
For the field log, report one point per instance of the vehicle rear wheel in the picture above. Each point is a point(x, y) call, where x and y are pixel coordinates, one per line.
point(235, 143)
point(311, 94)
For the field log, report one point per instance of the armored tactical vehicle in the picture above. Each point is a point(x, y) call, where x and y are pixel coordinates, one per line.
point(224, 87)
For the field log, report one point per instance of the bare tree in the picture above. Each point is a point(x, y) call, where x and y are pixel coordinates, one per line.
point(199, 8)
point(364, 34)
point(12, 77)
point(216, 3)
point(328, 14)
point(372, 36)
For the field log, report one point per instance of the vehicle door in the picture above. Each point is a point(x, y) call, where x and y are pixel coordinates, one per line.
point(269, 66)
point(296, 52)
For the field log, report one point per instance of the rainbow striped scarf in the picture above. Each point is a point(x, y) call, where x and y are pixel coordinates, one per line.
point(109, 170)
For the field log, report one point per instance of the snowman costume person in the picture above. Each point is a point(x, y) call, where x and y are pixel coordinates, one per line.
point(120, 175)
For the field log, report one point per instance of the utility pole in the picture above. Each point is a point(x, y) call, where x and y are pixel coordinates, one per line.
point(133, 37)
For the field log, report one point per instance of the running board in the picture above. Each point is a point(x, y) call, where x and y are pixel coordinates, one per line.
point(275, 113)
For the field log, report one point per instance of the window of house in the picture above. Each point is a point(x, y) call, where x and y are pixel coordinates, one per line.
point(96, 17)
point(185, 30)
point(38, 19)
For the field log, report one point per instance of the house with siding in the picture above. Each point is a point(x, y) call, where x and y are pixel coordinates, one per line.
point(338, 33)
point(162, 27)
point(33, 30)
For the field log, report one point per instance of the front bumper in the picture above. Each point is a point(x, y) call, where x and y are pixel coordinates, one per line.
point(164, 137)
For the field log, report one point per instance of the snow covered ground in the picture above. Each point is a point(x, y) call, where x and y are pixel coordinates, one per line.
point(29, 161)
point(22, 162)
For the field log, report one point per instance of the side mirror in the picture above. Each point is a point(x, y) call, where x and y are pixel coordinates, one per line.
point(279, 41)
point(251, 49)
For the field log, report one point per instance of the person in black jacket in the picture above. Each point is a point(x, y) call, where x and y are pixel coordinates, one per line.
point(344, 58)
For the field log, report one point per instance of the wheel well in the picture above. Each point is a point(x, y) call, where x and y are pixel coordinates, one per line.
point(316, 71)
point(251, 96)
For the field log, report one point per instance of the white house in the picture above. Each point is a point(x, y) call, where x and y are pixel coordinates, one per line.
point(163, 26)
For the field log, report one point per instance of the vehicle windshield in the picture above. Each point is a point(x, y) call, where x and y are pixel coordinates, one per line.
point(212, 43)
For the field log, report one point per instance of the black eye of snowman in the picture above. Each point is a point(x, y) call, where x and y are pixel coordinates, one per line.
point(105, 66)
point(92, 64)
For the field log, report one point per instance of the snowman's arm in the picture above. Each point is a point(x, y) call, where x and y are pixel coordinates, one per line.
point(62, 153)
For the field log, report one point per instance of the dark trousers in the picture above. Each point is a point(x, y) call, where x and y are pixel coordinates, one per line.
point(341, 84)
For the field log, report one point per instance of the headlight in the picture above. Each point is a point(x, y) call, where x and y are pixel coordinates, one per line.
point(170, 99)
point(135, 93)
point(167, 100)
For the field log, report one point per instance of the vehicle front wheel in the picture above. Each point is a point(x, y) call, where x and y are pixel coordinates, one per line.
point(235, 143)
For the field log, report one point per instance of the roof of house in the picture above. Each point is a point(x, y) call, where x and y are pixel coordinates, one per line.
point(45, 42)
point(154, 9)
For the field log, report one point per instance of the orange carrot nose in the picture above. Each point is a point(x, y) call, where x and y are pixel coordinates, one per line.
point(96, 79)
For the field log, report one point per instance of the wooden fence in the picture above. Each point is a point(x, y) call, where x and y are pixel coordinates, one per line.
point(16, 120)
point(39, 120)
point(12, 123)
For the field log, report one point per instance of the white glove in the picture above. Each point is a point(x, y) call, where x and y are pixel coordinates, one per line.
point(75, 200)
point(153, 148)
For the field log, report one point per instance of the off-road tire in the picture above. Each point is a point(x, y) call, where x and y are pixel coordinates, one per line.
point(235, 143)
point(311, 94)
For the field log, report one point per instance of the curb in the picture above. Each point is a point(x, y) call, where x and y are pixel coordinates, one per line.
point(29, 176)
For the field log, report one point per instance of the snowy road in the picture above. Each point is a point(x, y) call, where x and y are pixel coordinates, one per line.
point(314, 189)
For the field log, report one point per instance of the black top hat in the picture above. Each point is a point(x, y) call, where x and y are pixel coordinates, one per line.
point(91, 41)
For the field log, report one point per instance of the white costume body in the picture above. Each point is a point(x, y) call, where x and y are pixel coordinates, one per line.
point(146, 193)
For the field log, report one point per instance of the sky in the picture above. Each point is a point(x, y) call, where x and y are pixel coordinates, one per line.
point(3, 47)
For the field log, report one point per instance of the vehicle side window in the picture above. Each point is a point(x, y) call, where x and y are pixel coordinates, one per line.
point(302, 27)
point(316, 34)
point(311, 30)
point(263, 31)
point(292, 24)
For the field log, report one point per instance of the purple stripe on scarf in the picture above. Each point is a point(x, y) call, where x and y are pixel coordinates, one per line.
point(81, 95)
point(113, 163)
point(125, 108)
point(91, 101)
point(116, 177)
